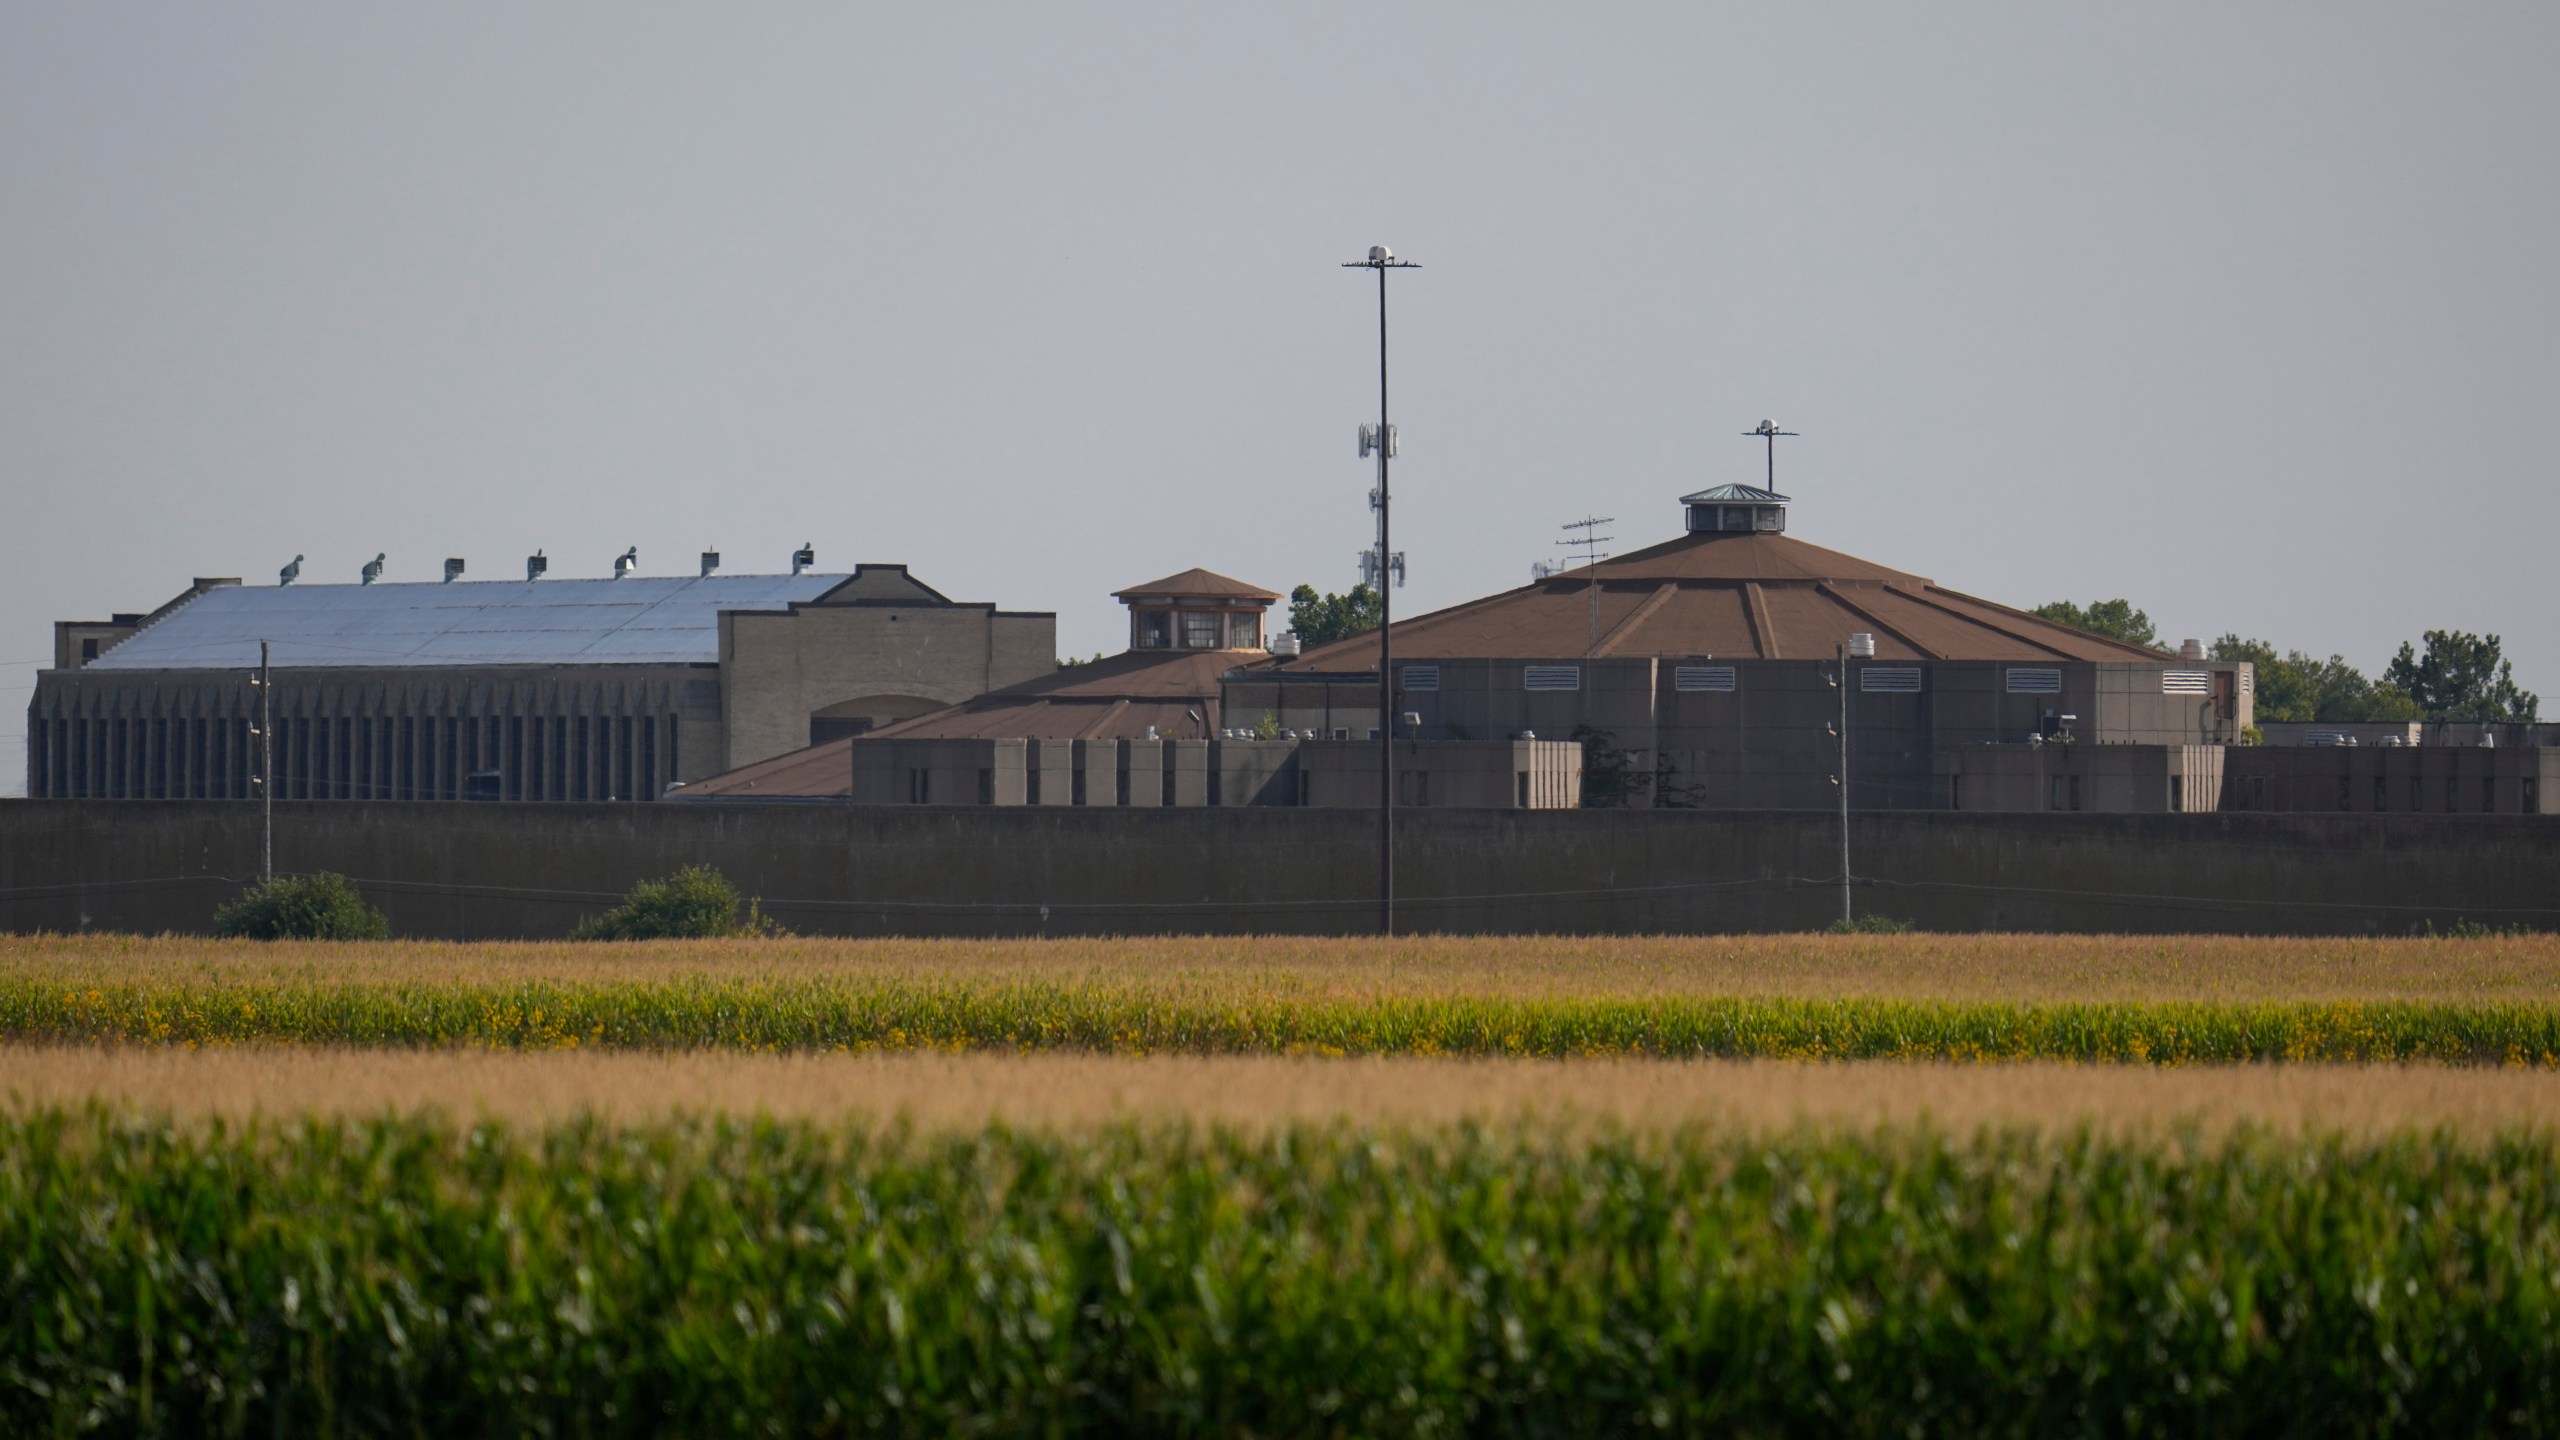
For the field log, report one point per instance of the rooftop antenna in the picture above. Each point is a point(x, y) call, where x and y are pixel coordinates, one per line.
point(534, 565)
point(710, 562)
point(291, 572)
point(626, 562)
point(452, 568)
point(804, 557)
point(1589, 543)
point(1771, 435)
point(372, 569)
point(1382, 443)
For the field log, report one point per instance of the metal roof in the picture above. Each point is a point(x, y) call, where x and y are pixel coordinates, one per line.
point(633, 621)
point(1741, 596)
point(1733, 492)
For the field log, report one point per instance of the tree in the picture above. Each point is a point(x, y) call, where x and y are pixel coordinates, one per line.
point(302, 907)
point(1609, 775)
point(2116, 619)
point(1323, 619)
point(2295, 687)
point(695, 903)
point(2462, 677)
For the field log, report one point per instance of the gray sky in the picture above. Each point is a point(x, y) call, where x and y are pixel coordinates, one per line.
point(2248, 318)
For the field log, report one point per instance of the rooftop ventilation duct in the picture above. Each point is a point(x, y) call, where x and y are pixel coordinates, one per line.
point(804, 557)
point(452, 568)
point(710, 562)
point(1862, 646)
point(534, 565)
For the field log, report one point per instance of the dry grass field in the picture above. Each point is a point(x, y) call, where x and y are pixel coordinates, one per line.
point(937, 1092)
point(2023, 969)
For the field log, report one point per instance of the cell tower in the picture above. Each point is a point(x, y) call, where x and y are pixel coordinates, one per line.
point(1382, 443)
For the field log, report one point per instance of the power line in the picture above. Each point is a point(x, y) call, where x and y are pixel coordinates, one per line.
point(540, 894)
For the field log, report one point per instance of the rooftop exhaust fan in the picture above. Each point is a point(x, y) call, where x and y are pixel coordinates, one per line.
point(534, 565)
point(452, 568)
point(804, 557)
point(710, 562)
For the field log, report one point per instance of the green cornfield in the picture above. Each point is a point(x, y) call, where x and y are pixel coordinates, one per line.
point(834, 1014)
point(412, 1276)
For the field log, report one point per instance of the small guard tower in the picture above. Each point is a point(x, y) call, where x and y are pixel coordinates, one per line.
point(1195, 610)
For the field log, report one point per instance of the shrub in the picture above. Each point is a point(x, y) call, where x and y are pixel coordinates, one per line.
point(695, 903)
point(1872, 925)
point(302, 907)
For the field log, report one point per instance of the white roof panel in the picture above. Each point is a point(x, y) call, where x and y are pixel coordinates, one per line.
point(511, 622)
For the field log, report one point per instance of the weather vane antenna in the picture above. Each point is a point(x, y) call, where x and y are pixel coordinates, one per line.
point(1771, 434)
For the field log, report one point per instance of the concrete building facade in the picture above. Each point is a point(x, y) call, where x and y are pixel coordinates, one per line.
point(878, 648)
point(1159, 774)
point(534, 690)
point(1709, 667)
point(2392, 779)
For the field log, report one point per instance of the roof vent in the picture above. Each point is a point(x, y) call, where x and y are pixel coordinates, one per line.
point(291, 572)
point(804, 557)
point(452, 568)
point(534, 565)
point(372, 569)
point(710, 562)
point(1285, 643)
point(1862, 646)
point(2189, 650)
point(626, 562)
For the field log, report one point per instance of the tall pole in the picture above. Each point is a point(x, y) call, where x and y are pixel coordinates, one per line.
point(1386, 647)
point(1381, 259)
point(1846, 918)
point(266, 764)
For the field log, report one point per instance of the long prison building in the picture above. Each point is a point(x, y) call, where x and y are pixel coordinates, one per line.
point(531, 690)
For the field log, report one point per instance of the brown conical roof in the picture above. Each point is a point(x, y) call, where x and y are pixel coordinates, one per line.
point(1753, 596)
point(1203, 584)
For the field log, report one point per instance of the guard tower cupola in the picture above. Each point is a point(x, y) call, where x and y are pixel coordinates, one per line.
point(1195, 610)
point(1736, 510)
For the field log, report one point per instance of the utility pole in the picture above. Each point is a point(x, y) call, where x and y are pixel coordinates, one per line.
point(1383, 442)
point(1772, 435)
point(1860, 646)
point(266, 765)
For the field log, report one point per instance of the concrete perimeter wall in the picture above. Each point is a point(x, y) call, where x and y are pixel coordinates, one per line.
point(469, 871)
